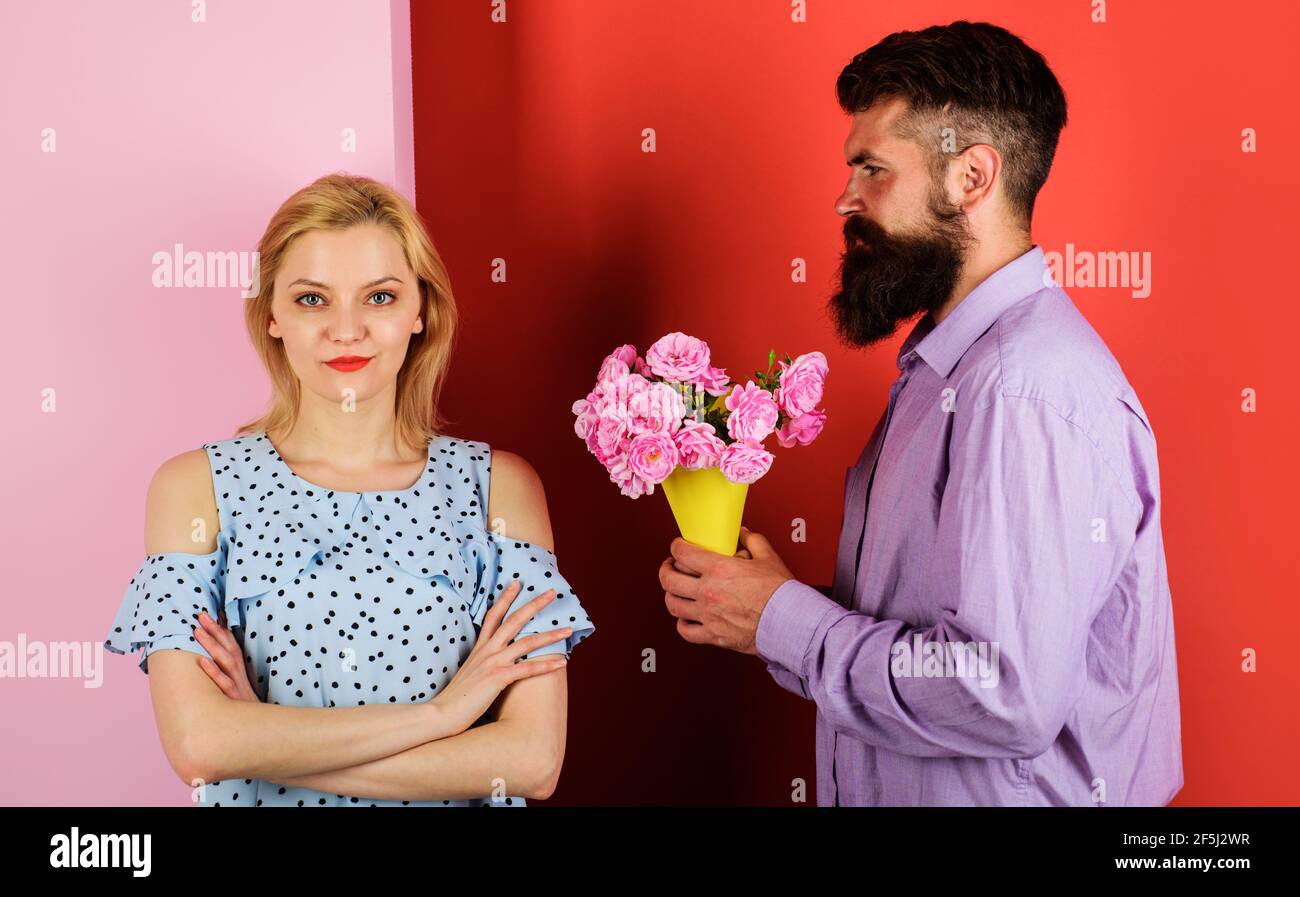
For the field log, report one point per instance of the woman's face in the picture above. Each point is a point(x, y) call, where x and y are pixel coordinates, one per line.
point(345, 305)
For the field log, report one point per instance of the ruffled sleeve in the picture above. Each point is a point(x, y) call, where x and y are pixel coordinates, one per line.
point(163, 601)
point(506, 560)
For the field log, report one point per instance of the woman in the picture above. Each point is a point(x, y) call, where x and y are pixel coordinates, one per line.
point(341, 569)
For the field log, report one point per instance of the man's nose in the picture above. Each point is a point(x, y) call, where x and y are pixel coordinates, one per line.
point(849, 203)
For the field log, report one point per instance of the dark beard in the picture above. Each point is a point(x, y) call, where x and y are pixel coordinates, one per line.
point(899, 276)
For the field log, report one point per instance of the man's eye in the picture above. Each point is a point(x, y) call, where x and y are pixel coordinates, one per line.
point(870, 169)
point(309, 296)
point(392, 297)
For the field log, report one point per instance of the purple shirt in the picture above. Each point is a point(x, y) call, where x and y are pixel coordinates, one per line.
point(1001, 630)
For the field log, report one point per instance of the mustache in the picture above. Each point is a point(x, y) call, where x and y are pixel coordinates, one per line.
point(859, 229)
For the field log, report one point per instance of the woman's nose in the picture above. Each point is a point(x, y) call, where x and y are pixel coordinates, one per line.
point(345, 324)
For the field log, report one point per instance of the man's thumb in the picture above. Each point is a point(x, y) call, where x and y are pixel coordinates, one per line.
point(755, 543)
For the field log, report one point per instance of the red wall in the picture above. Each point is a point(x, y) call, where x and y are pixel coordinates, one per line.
point(528, 148)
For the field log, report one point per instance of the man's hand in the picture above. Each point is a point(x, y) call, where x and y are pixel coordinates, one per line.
point(716, 599)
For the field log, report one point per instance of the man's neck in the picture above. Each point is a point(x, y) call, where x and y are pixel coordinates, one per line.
point(977, 269)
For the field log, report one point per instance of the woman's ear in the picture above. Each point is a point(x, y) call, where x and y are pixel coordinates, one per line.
point(419, 325)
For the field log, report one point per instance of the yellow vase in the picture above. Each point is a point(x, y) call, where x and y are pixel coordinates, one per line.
point(707, 506)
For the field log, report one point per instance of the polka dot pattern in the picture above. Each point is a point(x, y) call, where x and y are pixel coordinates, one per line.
point(341, 599)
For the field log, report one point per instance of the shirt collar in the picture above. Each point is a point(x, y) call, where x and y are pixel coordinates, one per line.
point(943, 345)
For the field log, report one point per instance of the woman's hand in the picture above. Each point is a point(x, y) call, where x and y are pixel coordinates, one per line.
point(491, 665)
point(228, 671)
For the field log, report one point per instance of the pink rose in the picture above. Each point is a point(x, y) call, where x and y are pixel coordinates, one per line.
point(631, 485)
point(801, 430)
point(651, 407)
point(801, 384)
point(616, 363)
point(753, 413)
point(678, 357)
point(652, 456)
point(698, 445)
point(589, 412)
point(742, 463)
point(585, 417)
point(715, 381)
point(611, 438)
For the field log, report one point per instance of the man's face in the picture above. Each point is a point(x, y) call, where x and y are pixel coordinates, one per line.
point(904, 242)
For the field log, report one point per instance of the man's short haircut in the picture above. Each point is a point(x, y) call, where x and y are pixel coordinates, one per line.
point(978, 79)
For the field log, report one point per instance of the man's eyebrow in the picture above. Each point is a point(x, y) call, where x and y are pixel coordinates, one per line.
point(325, 286)
point(862, 158)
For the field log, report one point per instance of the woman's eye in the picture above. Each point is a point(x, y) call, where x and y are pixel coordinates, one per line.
point(314, 300)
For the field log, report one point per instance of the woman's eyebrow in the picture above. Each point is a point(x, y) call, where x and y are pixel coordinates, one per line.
point(323, 286)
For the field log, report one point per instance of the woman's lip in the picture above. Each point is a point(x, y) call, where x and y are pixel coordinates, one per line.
point(348, 364)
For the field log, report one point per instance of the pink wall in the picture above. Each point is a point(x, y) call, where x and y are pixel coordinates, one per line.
point(165, 131)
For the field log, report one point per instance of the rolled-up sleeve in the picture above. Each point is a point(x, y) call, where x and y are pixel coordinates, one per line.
point(1034, 526)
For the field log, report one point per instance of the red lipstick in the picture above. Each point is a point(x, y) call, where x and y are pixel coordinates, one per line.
point(347, 363)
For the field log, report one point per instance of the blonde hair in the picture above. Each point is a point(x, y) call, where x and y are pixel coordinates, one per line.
point(335, 202)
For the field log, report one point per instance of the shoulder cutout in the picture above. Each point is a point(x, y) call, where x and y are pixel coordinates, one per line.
point(517, 501)
point(181, 507)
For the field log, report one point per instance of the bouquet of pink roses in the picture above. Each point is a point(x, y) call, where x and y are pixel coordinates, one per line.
point(672, 416)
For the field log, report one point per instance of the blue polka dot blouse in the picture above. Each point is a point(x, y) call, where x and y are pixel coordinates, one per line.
point(341, 599)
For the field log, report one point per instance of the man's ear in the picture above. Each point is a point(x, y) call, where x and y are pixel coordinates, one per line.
point(978, 172)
